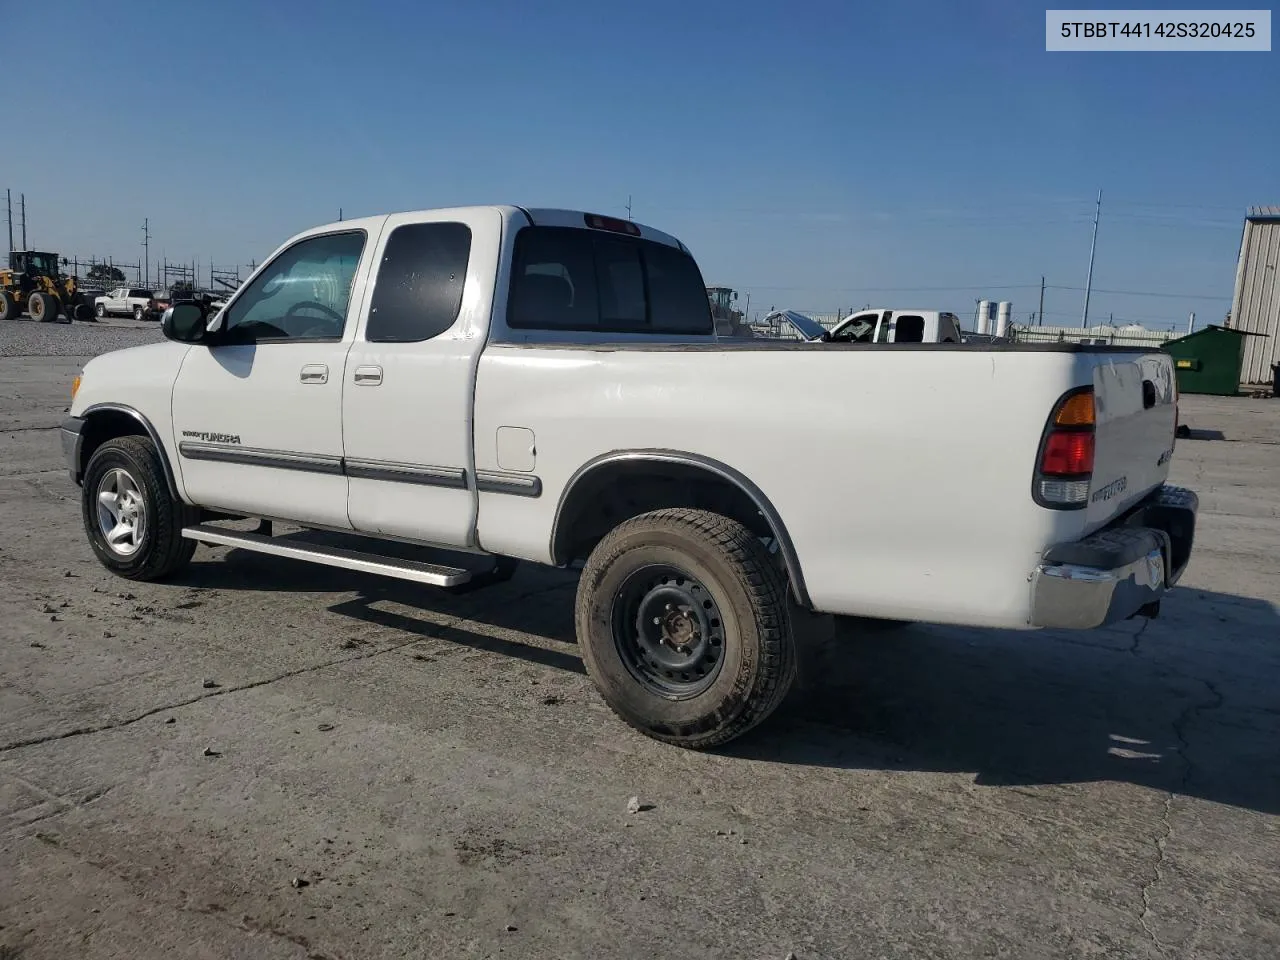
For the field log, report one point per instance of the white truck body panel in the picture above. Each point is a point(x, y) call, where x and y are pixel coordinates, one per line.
point(412, 405)
point(837, 441)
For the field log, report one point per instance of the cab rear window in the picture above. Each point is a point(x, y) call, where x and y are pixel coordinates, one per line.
point(566, 278)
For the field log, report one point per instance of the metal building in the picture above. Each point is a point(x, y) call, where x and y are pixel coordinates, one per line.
point(1255, 306)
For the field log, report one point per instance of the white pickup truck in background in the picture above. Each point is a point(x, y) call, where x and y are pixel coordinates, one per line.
point(544, 385)
point(880, 325)
point(125, 302)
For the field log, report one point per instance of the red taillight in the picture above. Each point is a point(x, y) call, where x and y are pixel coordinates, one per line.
point(1068, 453)
point(1065, 470)
point(597, 222)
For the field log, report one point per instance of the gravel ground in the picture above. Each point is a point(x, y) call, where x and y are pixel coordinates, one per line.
point(270, 759)
point(22, 338)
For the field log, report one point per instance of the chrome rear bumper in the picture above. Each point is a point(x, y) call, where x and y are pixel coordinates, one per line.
point(1120, 571)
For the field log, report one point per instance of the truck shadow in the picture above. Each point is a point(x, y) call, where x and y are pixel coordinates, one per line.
point(1184, 704)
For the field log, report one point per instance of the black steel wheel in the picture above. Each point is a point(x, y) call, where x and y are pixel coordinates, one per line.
point(683, 622)
point(668, 631)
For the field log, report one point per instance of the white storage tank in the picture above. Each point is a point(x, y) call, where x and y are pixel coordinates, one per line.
point(984, 316)
point(1002, 318)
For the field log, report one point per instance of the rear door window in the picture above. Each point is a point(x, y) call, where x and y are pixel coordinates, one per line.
point(566, 278)
point(909, 328)
point(419, 287)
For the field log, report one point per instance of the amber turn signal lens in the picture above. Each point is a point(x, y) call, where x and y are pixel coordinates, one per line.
point(75, 386)
point(1077, 411)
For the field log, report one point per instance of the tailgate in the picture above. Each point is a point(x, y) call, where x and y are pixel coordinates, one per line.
point(1136, 401)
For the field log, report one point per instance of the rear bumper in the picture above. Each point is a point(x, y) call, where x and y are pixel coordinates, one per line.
point(1119, 571)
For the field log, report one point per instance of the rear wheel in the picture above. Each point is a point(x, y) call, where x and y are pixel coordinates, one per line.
point(9, 309)
point(83, 312)
point(133, 522)
point(137, 313)
point(43, 307)
point(684, 626)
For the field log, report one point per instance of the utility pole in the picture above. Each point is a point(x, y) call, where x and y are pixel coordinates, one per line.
point(146, 250)
point(628, 206)
point(1191, 323)
point(339, 214)
point(8, 199)
point(1041, 313)
point(1088, 283)
point(24, 221)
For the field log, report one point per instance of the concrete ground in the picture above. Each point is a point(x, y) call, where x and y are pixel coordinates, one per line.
point(269, 759)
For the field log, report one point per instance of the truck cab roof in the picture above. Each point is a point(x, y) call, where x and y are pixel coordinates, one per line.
point(531, 216)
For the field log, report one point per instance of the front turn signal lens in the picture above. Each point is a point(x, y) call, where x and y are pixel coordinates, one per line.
point(75, 386)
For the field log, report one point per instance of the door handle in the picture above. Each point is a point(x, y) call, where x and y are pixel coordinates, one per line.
point(314, 373)
point(368, 376)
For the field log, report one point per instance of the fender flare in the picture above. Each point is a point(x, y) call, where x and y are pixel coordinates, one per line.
point(169, 478)
point(722, 471)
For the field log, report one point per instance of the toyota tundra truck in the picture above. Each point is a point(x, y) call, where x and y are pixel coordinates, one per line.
point(501, 384)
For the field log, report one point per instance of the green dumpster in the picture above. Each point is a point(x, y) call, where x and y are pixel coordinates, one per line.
point(1209, 360)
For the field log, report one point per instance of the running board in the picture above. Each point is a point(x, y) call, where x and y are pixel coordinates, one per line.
point(434, 574)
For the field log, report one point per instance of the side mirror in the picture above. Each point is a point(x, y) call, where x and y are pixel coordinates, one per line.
point(184, 322)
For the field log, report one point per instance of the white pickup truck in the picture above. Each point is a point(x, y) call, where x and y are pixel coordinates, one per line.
point(897, 326)
point(880, 325)
point(125, 301)
point(547, 386)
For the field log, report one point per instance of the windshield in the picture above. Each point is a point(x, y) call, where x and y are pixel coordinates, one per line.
point(42, 263)
point(856, 329)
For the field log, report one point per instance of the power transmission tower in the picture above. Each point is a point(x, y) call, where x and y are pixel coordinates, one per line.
point(146, 250)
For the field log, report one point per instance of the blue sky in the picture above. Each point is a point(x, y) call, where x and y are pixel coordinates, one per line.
point(816, 155)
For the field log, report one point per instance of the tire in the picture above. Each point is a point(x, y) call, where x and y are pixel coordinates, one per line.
point(83, 312)
point(9, 309)
point(130, 467)
point(719, 655)
point(138, 313)
point(42, 307)
point(101, 311)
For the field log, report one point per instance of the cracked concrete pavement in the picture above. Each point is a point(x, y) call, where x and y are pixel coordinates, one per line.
point(388, 771)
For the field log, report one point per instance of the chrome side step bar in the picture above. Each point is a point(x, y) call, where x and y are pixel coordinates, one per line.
point(430, 573)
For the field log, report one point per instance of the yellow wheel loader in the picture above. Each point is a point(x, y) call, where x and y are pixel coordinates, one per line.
point(34, 284)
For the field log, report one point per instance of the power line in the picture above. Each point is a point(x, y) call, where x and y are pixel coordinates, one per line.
point(859, 289)
point(1146, 293)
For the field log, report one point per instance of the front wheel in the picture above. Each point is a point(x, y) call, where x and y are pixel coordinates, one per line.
point(133, 522)
point(9, 308)
point(101, 311)
point(137, 313)
point(43, 307)
point(683, 622)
